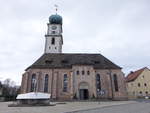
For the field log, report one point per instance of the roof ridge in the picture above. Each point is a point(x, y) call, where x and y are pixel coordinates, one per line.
point(73, 59)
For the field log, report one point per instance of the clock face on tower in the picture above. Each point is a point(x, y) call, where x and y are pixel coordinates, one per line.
point(54, 27)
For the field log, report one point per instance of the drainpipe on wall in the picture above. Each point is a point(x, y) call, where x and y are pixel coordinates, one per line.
point(38, 81)
point(57, 75)
point(52, 83)
point(111, 83)
point(71, 87)
point(74, 83)
point(28, 83)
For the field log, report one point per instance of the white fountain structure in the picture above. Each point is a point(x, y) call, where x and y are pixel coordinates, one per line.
point(34, 98)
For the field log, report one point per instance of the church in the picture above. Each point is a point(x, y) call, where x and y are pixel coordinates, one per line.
point(67, 76)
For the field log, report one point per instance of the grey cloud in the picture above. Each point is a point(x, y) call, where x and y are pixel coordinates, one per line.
point(117, 29)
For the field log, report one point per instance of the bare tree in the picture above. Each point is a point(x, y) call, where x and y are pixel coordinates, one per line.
point(10, 90)
point(0, 84)
point(7, 82)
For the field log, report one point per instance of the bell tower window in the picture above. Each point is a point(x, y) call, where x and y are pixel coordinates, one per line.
point(53, 41)
point(53, 32)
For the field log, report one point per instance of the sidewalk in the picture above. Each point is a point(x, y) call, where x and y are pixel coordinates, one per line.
point(59, 108)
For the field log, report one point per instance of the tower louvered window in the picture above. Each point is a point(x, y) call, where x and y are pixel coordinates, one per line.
point(53, 41)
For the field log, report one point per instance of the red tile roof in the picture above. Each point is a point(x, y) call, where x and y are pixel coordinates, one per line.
point(133, 75)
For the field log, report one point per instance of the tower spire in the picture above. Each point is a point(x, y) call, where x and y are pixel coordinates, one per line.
point(54, 38)
point(56, 8)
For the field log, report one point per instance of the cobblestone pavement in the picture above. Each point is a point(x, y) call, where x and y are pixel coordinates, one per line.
point(138, 107)
point(60, 108)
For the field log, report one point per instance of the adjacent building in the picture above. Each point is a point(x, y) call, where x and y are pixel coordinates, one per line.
point(69, 76)
point(138, 83)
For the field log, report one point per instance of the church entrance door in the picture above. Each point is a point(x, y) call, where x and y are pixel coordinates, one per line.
point(83, 91)
point(84, 94)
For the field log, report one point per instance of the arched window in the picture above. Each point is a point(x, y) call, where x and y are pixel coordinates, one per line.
point(46, 83)
point(140, 92)
point(98, 82)
point(65, 83)
point(83, 72)
point(88, 72)
point(53, 32)
point(33, 83)
point(146, 92)
point(115, 82)
point(78, 73)
point(53, 41)
point(139, 84)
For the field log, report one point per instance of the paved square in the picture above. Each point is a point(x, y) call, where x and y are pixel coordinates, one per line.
point(137, 107)
point(59, 108)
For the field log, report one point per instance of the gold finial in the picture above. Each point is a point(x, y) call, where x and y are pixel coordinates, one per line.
point(56, 8)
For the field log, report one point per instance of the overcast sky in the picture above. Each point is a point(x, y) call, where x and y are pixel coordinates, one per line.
point(118, 29)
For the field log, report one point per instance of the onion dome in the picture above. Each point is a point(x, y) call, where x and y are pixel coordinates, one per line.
point(55, 19)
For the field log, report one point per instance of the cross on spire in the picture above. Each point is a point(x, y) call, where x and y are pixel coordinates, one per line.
point(56, 7)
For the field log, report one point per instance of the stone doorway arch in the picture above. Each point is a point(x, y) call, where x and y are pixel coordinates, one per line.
point(83, 91)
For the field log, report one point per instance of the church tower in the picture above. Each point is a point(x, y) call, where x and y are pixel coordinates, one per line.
point(53, 37)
